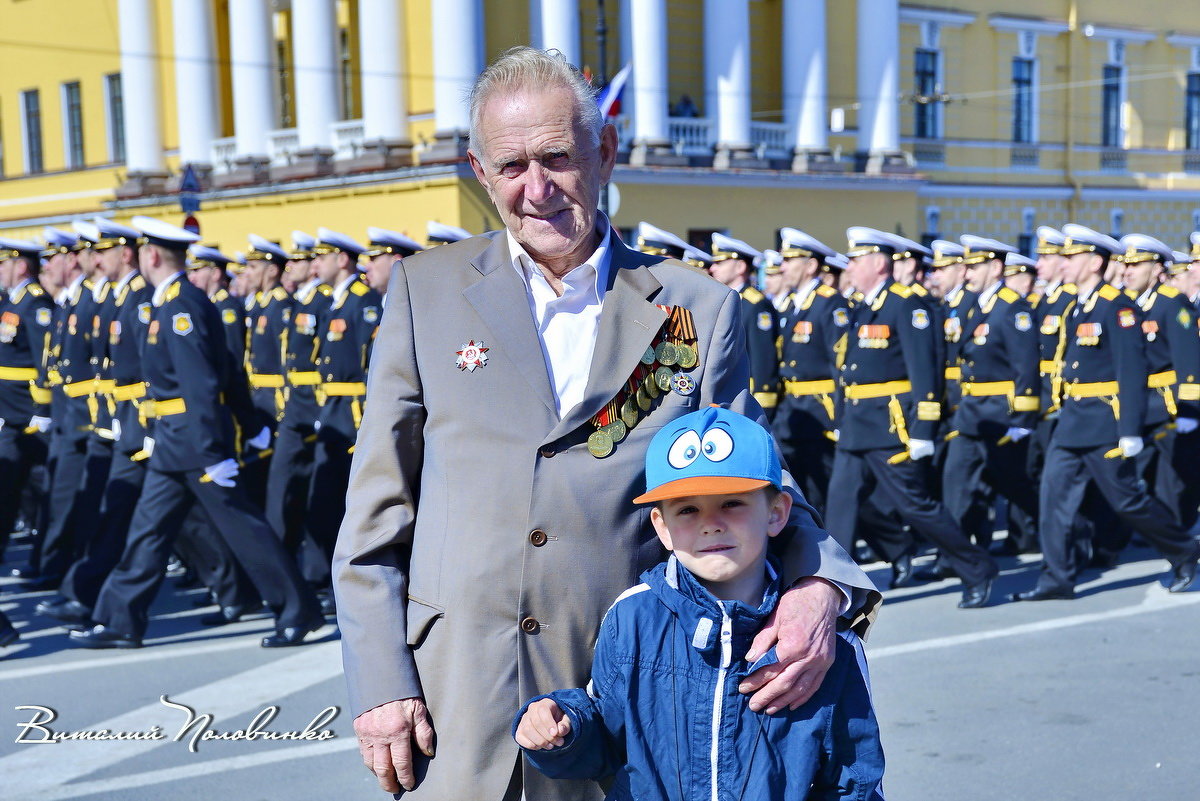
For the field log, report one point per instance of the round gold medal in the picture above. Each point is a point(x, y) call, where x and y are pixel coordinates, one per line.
point(650, 384)
point(643, 400)
point(662, 377)
point(617, 430)
point(648, 356)
point(666, 353)
point(600, 444)
point(629, 414)
point(687, 356)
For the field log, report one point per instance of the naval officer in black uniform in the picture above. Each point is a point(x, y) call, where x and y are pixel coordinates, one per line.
point(732, 265)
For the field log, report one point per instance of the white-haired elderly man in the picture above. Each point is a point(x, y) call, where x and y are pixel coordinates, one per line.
point(517, 380)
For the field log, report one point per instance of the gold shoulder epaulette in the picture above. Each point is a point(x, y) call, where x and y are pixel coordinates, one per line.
point(87, 283)
point(1070, 289)
point(220, 295)
point(901, 290)
point(104, 289)
point(1034, 299)
point(359, 288)
point(1109, 292)
point(279, 293)
point(1129, 293)
point(325, 289)
point(172, 291)
point(1009, 295)
point(137, 283)
point(1168, 291)
point(35, 290)
point(918, 290)
point(826, 291)
point(751, 294)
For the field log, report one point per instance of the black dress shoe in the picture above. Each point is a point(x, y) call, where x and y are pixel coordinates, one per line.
point(1040, 594)
point(224, 615)
point(8, 634)
point(902, 570)
point(1005, 547)
point(1182, 576)
point(292, 635)
point(41, 583)
point(65, 610)
point(328, 605)
point(100, 637)
point(976, 595)
point(25, 573)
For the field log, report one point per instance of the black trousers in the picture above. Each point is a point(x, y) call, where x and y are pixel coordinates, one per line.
point(810, 462)
point(856, 474)
point(87, 575)
point(20, 453)
point(1065, 478)
point(976, 469)
point(288, 485)
point(205, 553)
point(76, 489)
point(125, 599)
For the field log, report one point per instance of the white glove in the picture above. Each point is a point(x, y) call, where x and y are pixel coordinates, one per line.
point(1016, 434)
point(1, 423)
point(919, 449)
point(42, 424)
point(223, 473)
point(148, 446)
point(115, 428)
point(1131, 446)
point(837, 434)
point(260, 441)
point(316, 425)
point(1186, 425)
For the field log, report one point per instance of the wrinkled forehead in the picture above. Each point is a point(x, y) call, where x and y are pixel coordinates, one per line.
point(522, 116)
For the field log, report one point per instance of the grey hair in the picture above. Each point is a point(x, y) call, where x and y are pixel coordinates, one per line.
point(525, 68)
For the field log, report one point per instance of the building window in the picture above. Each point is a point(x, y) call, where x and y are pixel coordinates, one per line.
point(31, 111)
point(1023, 115)
point(114, 105)
point(287, 114)
point(1192, 111)
point(928, 88)
point(1110, 123)
point(72, 125)
point(346, 64)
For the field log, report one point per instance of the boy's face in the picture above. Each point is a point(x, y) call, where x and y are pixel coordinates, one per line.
point(721, 539)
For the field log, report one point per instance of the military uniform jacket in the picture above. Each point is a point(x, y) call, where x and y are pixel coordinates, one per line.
point(233, 323)
point(126, 337)
point(346, 333)
point(71, 366)
point(1103, 346)
point(26, 320)
point(999, 345)
point(760, 322)
point(237, 395)
point(309, 305)
point(811, 325)
point(1172, 345)
point(1049, 310)
point(269, 319)
point(891, 339)
point(954, 308)
point(185, 358)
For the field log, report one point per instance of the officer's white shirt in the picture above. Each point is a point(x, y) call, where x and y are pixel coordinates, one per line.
point(342, 289)
point(801, 294)
point(988, 294)
point(71, 289)
point(160, 291)
point(13, 292)
point(567, 325)
point(124, 282)
point(98, 289)
point(874, 293)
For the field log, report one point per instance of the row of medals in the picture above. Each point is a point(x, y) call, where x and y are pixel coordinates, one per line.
point(659, 367)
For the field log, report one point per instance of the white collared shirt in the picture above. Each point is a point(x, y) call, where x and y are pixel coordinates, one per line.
point(160, 291)
point(567, 325)
point(802, 294)
point(124, 282)
point(341, 290)
point(12, 292)
point(98, 289)
point(72, 288)
point(988, 294)
point(874, 293)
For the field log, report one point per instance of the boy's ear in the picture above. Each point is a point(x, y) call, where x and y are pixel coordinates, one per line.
point(780, 511)
point(660, 528)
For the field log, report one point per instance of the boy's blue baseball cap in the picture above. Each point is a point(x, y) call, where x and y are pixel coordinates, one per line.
point(710, 452)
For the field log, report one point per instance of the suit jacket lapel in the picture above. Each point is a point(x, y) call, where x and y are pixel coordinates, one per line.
point(500, 299)
point(628, 323)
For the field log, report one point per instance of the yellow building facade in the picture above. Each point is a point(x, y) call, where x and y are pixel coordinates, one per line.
point(740, 115)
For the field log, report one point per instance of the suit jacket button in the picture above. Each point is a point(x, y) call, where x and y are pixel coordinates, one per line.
point(537, 537)
point(530, 625)
point(547, 452)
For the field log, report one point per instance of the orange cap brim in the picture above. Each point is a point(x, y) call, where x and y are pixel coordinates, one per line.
point(701, 485)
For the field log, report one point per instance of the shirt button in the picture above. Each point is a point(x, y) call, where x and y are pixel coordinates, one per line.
point(537, 537)
point(530, 625)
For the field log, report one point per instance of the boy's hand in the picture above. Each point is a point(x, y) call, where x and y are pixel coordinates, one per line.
point(543, 726)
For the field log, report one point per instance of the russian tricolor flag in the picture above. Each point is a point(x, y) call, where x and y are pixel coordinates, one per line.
point(609, 99)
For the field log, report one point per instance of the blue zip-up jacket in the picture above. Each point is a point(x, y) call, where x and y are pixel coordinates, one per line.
point(663, 717)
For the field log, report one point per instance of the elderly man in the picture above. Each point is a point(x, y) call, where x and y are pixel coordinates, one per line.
point(518, 380)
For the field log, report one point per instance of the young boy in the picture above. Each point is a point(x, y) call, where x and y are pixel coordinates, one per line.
point(662, 715)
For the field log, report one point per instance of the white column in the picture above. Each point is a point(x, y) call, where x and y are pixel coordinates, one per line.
point(251, 44)
point(384, 98)
point(535, 24)
point(804, 81)
point(560, 27)
point(457, 60)
point(139, 87)
point(650, 74)
point(727, 71)
point(195, 80)
point(315, 60)
point(878, 76)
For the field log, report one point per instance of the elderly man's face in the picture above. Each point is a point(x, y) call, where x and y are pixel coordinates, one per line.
point(542, 172)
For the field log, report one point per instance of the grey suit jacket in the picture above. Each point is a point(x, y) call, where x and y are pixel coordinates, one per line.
point(443, 590)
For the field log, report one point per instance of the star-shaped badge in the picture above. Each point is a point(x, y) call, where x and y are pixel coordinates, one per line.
point(472, 355)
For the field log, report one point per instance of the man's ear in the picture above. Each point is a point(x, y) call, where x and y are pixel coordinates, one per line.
point(480, 175)
point(780, 511)
point(660, 528)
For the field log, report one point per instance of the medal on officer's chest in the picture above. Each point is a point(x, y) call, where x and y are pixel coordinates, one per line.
point(981, 333)
point(1087, 334)
point(8, 326)
point(657, 372)
point(873, 336)
point(802, 332)
point(152, 333)
point(1150, 329)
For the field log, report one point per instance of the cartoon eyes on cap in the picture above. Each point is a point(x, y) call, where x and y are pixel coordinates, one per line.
point(716, 446)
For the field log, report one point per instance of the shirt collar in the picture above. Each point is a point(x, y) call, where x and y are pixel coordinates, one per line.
point(340, 291)
point(26, 282)
point(807, 289)
point(1144, 298)
point(986, 295)
point(874, 293)
point(124, 282)
point(160, 291)
point(593, 272)
point(98, 289)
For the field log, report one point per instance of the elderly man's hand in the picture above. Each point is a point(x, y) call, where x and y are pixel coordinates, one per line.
point(385, 738)
point(802, 630)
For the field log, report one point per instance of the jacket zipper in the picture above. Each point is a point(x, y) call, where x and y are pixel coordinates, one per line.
point(719, 697)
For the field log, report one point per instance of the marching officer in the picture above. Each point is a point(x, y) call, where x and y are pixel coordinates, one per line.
point(1099, 431)
point(26, 317)
point(998, 359)
point(298, 269)
point(731, 264)
point(813, 319)
point(657, 242)
point(208, 270)
point(345, 335)
point(437, 233)
point(192, 458)
point(773, 279)
point(891, 380)
point(385, 249)
point(1020, 274)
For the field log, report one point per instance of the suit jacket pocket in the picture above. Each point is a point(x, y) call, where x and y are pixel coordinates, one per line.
point(420, 616)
